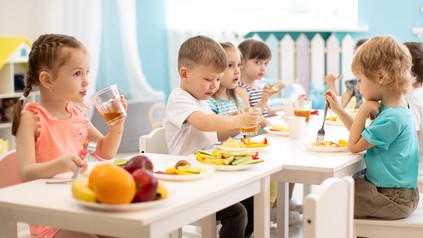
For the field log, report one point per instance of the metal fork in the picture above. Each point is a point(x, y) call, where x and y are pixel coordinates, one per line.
point(90, 149)
point(321, 132)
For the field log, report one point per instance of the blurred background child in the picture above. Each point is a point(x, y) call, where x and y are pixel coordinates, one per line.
point(415, 96)
point(350, 85)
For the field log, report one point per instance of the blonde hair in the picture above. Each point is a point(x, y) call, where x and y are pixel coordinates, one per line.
point(46, 54)
point(384, 55)
point(202, 50)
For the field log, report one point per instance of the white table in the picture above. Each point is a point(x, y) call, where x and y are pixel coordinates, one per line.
point(40, 203)
point(307, 167)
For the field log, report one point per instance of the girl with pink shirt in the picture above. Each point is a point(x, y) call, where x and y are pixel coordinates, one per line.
point(51, 133)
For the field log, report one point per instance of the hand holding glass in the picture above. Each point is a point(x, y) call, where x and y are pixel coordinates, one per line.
point(109, 105)
point(255, 111)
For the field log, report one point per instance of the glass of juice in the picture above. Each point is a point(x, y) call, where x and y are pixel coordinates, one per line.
point(107, 101)
point(303, 108)
point(252, 130)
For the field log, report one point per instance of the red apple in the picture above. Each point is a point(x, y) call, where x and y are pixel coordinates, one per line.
point(138, 162)
point(146, 185)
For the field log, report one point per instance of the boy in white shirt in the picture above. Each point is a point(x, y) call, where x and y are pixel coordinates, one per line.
point(191, 125)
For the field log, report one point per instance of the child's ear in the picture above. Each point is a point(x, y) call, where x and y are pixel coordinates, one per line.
point(46, 79)
point(183, 73)
point(381, 77)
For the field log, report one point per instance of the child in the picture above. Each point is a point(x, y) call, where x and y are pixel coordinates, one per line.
point(415, 96)
point(388, 190)
point(50, 133)
point(191, 125)
point(225, 101)
point(256, 57)
point(351, 85)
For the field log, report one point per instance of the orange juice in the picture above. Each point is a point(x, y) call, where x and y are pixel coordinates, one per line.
point(249, 131)
point(112, 117)
point(303, 113)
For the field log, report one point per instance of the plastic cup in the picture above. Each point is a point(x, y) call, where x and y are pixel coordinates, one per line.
point(303, 108)
point(288, 109)
point(107, 101)
point(252, 130)
point(297, 126)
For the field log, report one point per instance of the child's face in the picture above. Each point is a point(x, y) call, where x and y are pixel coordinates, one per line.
point(200, 81)
point(370, 89)
point(71, 82)
point(232, 72)
point(255, 68)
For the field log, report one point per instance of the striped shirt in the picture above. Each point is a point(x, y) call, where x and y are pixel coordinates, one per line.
point(254, 96)
point(224, 106)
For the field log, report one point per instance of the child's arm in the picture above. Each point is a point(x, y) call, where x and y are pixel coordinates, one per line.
point(356, 143)
point(108, 145)
point(213, 122)
point(335, 106)
point(27, 166)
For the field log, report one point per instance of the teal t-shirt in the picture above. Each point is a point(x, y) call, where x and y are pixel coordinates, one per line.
point(224, 106)
point(393, 161)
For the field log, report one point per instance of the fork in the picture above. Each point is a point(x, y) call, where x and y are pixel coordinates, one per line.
point(89, 149)
point(321, 132)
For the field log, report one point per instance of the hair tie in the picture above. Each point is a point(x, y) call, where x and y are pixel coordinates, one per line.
point(23, 98)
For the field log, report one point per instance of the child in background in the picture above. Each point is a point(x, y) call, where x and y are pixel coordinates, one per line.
point(191, 125)
point(225, 100)
point(415, 96)
point(256, 56)
point(51, 133)
point(351, 85)
point(388, 189)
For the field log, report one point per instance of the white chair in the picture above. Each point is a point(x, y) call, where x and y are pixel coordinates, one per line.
point(157, 110)
point(409, 227)
point(329, 211)
point(9, 176)
point(420, 183)
point(155, 142)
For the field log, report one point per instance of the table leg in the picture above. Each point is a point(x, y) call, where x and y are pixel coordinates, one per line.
point(8, 228)
point(262, 210)
point(282, 210)
point(306, 190)
point(208, 226)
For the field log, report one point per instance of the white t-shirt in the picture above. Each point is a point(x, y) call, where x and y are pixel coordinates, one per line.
point(181, 137)
point(415, 97)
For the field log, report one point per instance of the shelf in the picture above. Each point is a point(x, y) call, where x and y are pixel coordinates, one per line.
point(18, 94)
point(5, 125)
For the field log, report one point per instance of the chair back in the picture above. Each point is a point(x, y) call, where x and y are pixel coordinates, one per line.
point(329, 211)
point(155, 142)
point(157, 110)
point(8, 170)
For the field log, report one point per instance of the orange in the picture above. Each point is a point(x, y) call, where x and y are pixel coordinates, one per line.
point(112, 184)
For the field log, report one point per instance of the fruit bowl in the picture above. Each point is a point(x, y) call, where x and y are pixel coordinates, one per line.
point(122, 207)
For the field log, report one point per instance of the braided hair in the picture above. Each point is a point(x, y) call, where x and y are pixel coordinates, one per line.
point(46, 54)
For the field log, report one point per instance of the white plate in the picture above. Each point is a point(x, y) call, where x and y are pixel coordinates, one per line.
point(233, 167)
point(334, 123)
point(277, 133)
point(175, 177)
point(121, 207)
point(252, 150)
point(309, 146)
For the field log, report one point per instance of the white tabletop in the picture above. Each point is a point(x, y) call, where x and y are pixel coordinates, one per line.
point(53, 205)
point(285, 161)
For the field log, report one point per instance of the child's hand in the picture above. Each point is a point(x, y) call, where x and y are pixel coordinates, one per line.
point(267, 92)
point(124, 102)
point(370, 108)
point(330, 80)
point(249, 119)
point(333, 100)
point(72, 161)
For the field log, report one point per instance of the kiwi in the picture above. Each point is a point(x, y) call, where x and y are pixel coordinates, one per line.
point(182, 163)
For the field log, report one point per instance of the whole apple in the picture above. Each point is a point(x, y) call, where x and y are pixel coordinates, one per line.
point(138, 162)
point(146, 185)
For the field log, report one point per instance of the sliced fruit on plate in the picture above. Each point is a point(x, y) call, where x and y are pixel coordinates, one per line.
point(223, 157)
point(249, 143)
